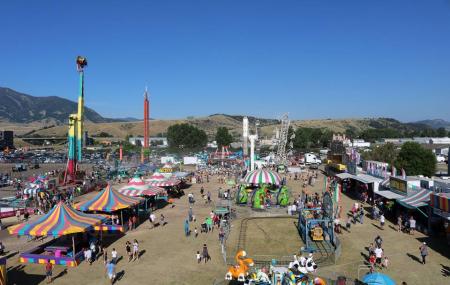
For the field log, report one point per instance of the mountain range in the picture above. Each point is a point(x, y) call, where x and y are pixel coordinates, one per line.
point(47, 116)
point(16, 107)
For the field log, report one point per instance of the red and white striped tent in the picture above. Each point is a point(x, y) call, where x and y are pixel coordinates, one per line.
point(136, 181)
point(165, 183)
point(156, 177)
point(136, 192)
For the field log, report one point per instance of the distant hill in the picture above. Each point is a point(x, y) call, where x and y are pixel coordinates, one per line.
point(16, 107)
point(234, 123)
point(47, 116)
point(436, 123)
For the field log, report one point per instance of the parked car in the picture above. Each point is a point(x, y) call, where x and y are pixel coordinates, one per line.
point(18, 167)
point(440, 158)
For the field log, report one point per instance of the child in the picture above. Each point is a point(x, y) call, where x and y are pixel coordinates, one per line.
point(372, 260)
point(199, 257)
point(386, 262)
point(382, 220)
point(348, 224)
point(196, 232)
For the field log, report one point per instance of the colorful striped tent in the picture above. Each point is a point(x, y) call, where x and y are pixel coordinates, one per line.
point(108, 200)
point(138, 191)
point(61, 220)
point(262, 176)
point(440, 201)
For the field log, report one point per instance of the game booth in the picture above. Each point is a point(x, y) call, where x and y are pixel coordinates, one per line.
point(263, 189)
point(69, 228)
point(111, 202)
point(440, 214)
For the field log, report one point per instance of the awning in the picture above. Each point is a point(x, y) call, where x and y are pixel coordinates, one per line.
point(390, 195)
point(385, 182)
point(345, 176)
point(168, 183)
point(416, 200)
point(136, 192)
point(365, 178)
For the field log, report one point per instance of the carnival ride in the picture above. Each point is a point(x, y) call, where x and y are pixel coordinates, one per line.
point(76, 129)
point(264, 188)
point(316, 227)
point(280, 158)
point(301, 271)
point(239, 271)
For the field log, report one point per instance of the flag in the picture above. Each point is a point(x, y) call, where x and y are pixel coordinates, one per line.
point(403, 173)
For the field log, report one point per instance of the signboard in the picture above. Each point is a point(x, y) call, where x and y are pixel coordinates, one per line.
point(398, 184)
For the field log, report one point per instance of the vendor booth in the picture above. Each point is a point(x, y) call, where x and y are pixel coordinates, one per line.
point(62, 221)
point(440, 208)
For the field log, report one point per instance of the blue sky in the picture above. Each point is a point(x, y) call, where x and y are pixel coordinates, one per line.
point(314, 59)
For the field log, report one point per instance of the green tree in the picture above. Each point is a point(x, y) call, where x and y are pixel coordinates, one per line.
point(223, 137)
point(416, 160)
point(441, 132)
point(186, 136)
point(307, 138)
point(385, 153)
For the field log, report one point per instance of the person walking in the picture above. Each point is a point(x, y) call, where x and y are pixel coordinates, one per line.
point(88, 255)
point(130, 224)
point(423, 252)
point(49, 271)
point(378, 256)
point(378, 241)
point(105, 255)
point(152, 219)
point(399, 223)
point(163, 220)
point(412, 225)
point(135, 250)
point(114, 256)
point(382, 221)
point(190, 214)
point(199, 257)
point(205, 253)
point(361, 215)
point(186, 228)
point(209, 197)
point(134, 221)
point(128, 250)
point(111, 271)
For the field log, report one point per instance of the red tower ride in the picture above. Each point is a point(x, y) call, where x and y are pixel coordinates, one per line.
point(146, 121)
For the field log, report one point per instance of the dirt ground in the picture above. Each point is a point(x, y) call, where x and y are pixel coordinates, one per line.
point(169, 257)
